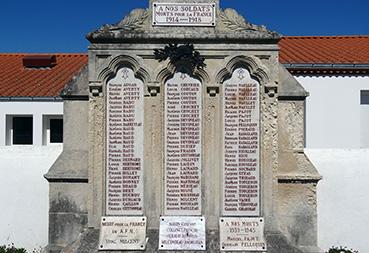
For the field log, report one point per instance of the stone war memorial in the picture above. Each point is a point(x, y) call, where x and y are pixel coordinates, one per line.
point(183, 134)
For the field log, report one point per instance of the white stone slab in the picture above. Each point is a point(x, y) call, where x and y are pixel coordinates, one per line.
point(182, 233)
point(183, 14)
point(242, 234)
point(123, 233)
point(183, 103)
point(241, 141)
point(124, 144)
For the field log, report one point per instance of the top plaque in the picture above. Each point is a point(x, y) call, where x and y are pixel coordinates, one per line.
point(183, 14)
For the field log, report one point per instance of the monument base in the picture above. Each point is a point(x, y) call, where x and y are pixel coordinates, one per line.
point(88, 240)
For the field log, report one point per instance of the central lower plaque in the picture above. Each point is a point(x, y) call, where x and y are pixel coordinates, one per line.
point(182, 145)
point(182, 233)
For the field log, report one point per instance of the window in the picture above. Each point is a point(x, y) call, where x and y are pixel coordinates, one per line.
point(364, 119)
point(56, 130)
point(52, 129)
point(19, 130)
point(364, 97)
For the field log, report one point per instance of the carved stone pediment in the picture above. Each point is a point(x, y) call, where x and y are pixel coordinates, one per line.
point(133, 22)
point(232, 21)
point(137, 25)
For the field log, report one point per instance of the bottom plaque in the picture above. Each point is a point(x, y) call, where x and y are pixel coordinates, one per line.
point(182, 233)
point(122, 233)
point(242, 234)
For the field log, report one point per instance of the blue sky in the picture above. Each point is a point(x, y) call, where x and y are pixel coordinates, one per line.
point(61, 26)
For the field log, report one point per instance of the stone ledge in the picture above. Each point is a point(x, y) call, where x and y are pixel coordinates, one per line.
point(69, 167)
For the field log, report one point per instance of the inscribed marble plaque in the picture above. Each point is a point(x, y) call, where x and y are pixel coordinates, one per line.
point(183, 14)
point(182, 145)
point(241, 137)
point(122, 233)
point(242, 234)
point(182, 233)
point(124, 145)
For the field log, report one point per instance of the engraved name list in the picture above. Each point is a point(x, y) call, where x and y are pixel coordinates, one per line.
point(241, 145)
point(183, 146)
point(124, 189)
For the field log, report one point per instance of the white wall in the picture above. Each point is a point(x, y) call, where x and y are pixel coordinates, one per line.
point(333, 111)
point(343, 197)
point(337, 127)
point(364, 125)
point(37, 109)
point(24, 196)
point(24, 192)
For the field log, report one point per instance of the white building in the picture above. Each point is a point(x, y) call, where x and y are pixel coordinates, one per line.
point(334, 70)
point(31, 136)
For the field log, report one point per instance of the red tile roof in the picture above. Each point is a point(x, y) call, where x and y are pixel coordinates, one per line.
point(19, 81)
point(324, 50)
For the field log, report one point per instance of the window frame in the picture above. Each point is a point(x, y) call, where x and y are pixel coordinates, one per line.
point(364, 119)
point(364, 97)
point(9, 138)
point(46, 130)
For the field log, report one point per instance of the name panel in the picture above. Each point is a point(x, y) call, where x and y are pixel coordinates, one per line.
point(182, 146)
point(182, 233)
point(124, 168)
point(241, 186)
